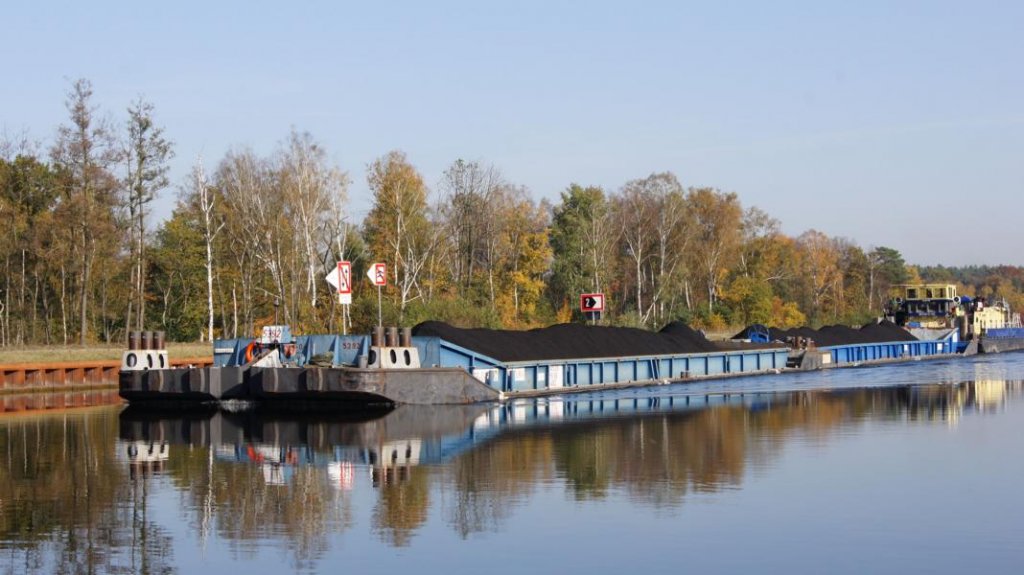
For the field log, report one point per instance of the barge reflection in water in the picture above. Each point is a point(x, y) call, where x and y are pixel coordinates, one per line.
point(821, 471)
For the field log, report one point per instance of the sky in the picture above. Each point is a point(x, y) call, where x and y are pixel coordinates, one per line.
point(896, 124)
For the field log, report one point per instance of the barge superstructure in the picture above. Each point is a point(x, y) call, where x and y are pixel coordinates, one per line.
point(982, 326)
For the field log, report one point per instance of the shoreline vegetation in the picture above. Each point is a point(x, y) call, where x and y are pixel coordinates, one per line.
point(252, 237)
point(74, 353)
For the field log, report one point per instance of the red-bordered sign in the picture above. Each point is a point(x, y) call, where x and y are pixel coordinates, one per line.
point(378, 274)
point(344, 277)
point(591, 302)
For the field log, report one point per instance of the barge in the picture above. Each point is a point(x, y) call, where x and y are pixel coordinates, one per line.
point(440, 364)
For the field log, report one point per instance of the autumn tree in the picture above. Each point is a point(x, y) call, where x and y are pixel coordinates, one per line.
point(524, 256)
point(850, 305)
point(87, 151)
point(147, 153)
point(657, 230)
point(717, 226)
point(28, 195)
point(819, 271)
point(469, 190)
point(397, 230)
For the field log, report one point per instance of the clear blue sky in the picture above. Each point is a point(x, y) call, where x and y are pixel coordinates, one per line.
point(890, 123)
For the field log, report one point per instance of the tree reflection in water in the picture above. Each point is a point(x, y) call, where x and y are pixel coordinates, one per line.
point(77, 492)
point(67, 505)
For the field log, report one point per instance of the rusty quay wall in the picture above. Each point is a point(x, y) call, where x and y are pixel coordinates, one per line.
point(21, 377)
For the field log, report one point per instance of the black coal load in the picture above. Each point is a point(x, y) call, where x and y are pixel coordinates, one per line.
point(839, 335)
point(886, 331)
point(832, 335)
point(687, 335)
point(575, 341)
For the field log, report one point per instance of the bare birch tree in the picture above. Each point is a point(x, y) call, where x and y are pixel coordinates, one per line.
point(634, 211)
point(313, 188)
point(205, 200)
point(147, 153)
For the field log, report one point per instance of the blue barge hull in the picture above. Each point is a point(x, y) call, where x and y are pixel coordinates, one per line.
point(345, 371)
point(435, 352)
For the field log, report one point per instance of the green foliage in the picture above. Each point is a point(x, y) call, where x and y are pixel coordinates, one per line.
point(748, 301)
point(178, 280)
point(575, 227)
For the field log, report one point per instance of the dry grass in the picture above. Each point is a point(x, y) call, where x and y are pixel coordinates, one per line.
point(54, 354)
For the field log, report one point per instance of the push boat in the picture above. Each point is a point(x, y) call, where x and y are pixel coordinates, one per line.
point(981, 326)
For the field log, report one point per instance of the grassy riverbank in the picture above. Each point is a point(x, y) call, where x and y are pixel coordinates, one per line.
point(55, 354)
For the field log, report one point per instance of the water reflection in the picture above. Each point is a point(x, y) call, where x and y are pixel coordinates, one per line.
point(78, 492)
point(655, 449)
point(66, 505)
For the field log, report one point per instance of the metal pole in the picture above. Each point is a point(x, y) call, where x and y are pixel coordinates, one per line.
point(380, 313)
point(344, 328)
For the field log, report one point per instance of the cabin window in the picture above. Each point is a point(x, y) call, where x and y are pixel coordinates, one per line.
point(928, 294)
point(911, 293)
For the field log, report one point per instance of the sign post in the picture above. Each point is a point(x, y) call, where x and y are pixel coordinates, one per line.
point(341, 279)
point(592, 304)
point(378, 274)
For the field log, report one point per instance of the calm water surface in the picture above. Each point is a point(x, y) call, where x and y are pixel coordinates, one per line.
point(899, 469)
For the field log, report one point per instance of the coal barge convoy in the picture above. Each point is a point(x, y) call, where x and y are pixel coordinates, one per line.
point(435, 363)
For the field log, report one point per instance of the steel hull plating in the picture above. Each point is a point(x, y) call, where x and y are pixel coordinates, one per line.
point(1000, 344)
point(427, 386)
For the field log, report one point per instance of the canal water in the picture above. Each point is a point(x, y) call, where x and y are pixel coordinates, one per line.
point(896, 469)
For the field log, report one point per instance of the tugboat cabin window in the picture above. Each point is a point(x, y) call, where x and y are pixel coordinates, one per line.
point(911, 293)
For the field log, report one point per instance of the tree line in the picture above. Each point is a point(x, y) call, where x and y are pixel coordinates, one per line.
point(253, 236)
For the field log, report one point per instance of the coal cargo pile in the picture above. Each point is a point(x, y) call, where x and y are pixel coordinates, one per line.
point(886, 331)
point(833, 335)
point(573, 341)
point(839, 335)
point(689, 336)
